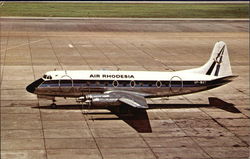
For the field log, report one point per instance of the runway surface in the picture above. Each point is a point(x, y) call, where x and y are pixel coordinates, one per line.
point(187, 127)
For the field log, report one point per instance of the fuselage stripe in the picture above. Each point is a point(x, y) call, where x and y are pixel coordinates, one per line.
point(124, 84)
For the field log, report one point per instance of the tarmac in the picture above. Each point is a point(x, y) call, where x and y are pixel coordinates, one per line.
point(209, 125)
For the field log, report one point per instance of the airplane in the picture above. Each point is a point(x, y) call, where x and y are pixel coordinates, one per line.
point(114, 88)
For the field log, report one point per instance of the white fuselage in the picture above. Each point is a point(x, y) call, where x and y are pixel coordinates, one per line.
point(147, 84)
point(132, 87)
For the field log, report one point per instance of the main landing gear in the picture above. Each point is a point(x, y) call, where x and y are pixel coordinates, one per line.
point(53, 105)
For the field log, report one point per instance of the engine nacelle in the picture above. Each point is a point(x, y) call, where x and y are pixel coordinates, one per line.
point(99, 100)
point(81, 99)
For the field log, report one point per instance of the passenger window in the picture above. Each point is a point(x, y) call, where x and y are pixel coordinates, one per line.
point(132, 84)
point(115, 83)
point(158, 84)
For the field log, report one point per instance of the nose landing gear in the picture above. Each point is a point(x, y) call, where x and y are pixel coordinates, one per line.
point(53, 105)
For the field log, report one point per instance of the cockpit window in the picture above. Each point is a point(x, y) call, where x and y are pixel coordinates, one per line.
point(47, 77)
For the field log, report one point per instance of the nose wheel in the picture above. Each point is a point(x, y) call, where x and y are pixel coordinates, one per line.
point(53, 105)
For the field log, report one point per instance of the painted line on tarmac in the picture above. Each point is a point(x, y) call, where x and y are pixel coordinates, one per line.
point(22, 45)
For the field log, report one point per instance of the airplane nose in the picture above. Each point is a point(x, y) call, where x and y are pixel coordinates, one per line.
point(32, 87)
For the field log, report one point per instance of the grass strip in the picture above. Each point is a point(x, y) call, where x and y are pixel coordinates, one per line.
point(53, 9)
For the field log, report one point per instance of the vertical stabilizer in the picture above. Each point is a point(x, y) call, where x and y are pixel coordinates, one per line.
point(218, 64)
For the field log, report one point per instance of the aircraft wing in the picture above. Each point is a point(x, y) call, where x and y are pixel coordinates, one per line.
point(130, 98)
point(135, 101)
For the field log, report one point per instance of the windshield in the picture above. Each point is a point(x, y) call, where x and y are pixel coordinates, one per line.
point(47, 77)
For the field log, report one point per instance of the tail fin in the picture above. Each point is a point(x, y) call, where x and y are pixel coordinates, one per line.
point(218, 64)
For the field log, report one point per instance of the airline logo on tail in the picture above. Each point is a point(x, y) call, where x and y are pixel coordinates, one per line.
point(218, 61)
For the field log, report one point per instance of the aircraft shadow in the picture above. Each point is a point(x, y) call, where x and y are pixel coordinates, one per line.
point(138, 118)
point(213, 103)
